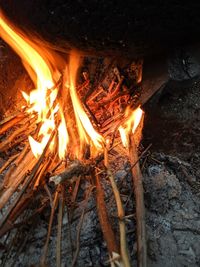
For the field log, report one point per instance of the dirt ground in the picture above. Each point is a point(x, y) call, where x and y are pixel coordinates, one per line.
point(171, 182)
point(172, 179)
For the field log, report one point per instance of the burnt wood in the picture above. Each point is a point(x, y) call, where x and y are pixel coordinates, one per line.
point(138, 28)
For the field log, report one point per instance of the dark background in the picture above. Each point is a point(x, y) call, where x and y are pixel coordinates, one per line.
point(131, 27)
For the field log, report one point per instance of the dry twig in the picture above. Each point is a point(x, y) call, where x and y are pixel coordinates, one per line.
point(120, 209)
point(107, 230)
point(139, 199)
point(80, 226)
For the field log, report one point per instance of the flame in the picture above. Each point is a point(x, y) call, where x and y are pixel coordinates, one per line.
point(37, 63)
point(63, 137)
point(86, 130)
point(42, 66)
point(133, 119)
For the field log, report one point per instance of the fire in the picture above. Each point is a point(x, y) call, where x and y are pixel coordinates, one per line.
point(132, 121)
point(43, 69)
point(87, 132)
point(63, 137)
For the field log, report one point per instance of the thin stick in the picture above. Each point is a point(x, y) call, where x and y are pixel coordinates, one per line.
point(29, 180)
point(59, 234)
point(22, 154)
point(73, 199)
point(140, 209)
point(138, 158)
point(46, 188)
point(7, 125)
point(80, 226)
point(107, 230)
point(55, 202)
point(8, 162)
point(120, 210)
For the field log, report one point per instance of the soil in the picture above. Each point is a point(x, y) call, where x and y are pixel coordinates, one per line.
point(171, 182)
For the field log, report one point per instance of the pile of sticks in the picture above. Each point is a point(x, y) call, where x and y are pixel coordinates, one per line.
point(25, 177)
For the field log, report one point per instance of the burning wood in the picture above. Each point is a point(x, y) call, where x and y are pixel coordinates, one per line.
point(63, 142)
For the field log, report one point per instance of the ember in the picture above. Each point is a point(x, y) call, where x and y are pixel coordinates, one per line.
point(71, 128)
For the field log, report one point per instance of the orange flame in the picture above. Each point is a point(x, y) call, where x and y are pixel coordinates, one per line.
point(86, 130)
point(63, 137)
point(130, 125)
point(43, 69)
point(37, 63)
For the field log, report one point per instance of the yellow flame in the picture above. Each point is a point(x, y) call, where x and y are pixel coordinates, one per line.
point(42, 66)
point(86, 130)
point(36, 62)
point(133, 119)
point(123, 136)
point(63, 138)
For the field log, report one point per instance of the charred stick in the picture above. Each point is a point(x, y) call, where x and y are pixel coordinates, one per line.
point(8, 162)
point(117, 88)
point(140, 209)
point(75, 169)
point(41, 172)
point(17, 211)
point(107, 230)
point(142, 154)
point(13, 143)
point(121, 214)
point(59, 234)
point(15, 176)
point(80, 226)
point(22, 154)
point(7, 125)
point(29, 180)
point(73, 198)
point(91, 114)
point(55, 202)
point(93, 96)
point(12, 116)
point(5, 144)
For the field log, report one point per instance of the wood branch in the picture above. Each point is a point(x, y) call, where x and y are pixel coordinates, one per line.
point(10, 123)
point(27, 128)
point(75, 169)
point(59, 233)
point(17, 211)
point(107, 230)
point(89, 191)
point(140, 209)
point(15, 176)
point(26, 184)
point(122, 227)
point(55, 202)
point(8, 162)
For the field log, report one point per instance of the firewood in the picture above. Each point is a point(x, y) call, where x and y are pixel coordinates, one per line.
point(26, 184)
point(88, 193)
point(55, 203)
point(59, 233)
point(75, 169)
point(8, 162)
point(140, 209)
point(106, 227)
point(122, 228)
point(10, 123)
point(15, 176)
